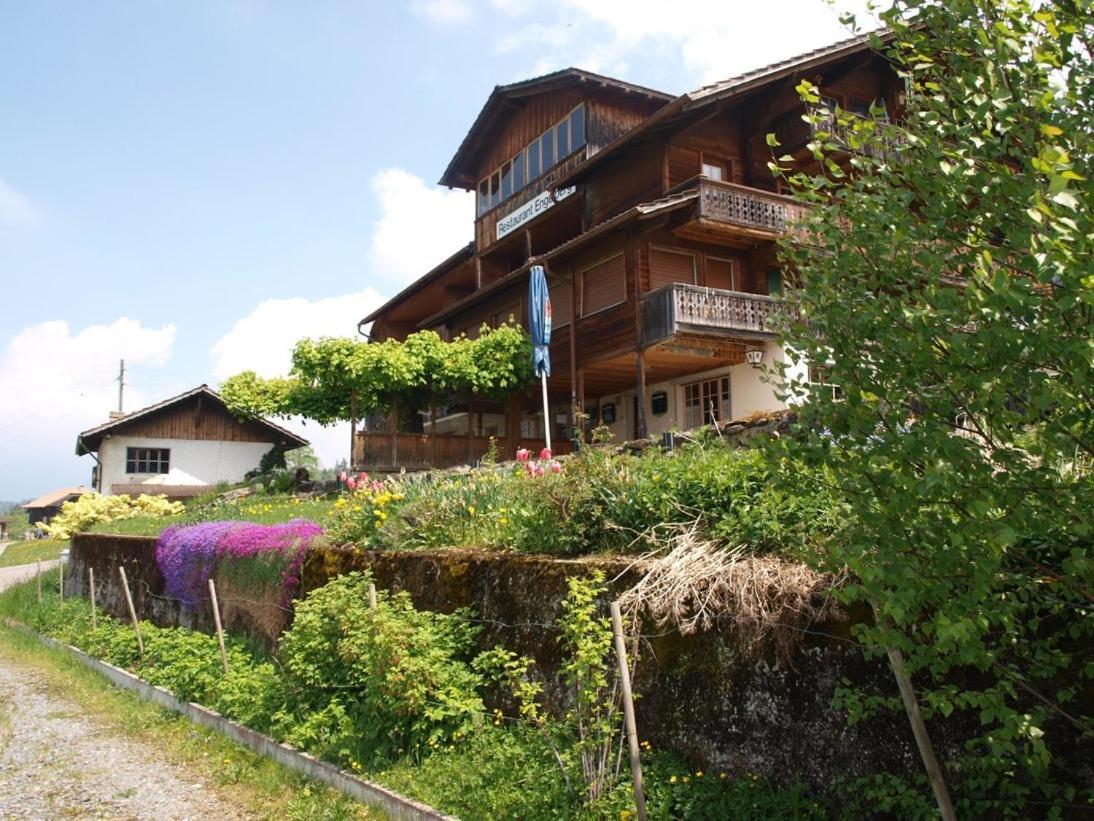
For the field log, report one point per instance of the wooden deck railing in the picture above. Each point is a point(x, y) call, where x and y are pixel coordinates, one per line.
point(748, 207)
point(386, 452)
point(685, 308)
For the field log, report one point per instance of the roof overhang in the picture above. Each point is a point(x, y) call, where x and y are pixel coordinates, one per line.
point(462, 255)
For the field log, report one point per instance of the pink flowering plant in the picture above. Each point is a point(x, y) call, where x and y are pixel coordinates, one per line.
point(250, 555)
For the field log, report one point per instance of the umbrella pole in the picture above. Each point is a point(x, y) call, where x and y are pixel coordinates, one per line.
point(546, 413)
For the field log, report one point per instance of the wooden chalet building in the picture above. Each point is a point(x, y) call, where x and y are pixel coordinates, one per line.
point(656, 218)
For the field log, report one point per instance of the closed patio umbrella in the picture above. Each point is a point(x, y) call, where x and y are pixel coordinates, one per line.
point(539, 323)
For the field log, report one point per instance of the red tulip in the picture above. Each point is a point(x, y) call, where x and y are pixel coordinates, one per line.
point(538, 470)
point(523, 454)
point(555, 467)
point(351, 483)
point(545, 454)
point(363, 477)
point(342, 476)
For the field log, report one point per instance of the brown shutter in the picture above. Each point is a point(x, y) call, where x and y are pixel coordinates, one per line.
point(720, 273)
point(670, 266)
point(562, 308)
point(683, 164)
point(603, 285)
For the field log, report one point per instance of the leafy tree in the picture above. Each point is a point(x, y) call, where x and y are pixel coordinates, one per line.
point(327, 373)
point(946, 285)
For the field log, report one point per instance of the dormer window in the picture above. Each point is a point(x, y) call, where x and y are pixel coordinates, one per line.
point(545, 152)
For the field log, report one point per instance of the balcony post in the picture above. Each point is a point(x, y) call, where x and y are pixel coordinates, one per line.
point(640, 386)
point(352, 426)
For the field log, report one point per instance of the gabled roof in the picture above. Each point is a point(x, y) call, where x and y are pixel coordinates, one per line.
point(504, 96)
point(88, 441)
point(55, 497)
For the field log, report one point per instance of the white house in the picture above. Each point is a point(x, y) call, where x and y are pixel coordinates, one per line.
point(179, 447)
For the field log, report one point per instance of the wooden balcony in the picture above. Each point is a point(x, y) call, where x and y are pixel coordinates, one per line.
point(691, 309)
point(388, 453)
point(750, 211)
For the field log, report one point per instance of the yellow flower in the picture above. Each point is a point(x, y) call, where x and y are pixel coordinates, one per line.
point(672, 780)
point(699, 774)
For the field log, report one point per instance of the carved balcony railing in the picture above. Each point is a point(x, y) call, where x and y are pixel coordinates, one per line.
point(757, 211)
point(681, 308)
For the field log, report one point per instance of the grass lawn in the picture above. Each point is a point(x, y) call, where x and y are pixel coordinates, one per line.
point(259, 787)
point(260, 509)
point(32, 551)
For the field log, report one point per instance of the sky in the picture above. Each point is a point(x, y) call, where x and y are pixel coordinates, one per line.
point(193, 185)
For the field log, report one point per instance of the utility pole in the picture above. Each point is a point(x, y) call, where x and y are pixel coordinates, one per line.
point(121, 385)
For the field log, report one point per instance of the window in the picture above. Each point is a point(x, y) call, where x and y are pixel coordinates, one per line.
point(147, 460)
point(667, 267)
point(518, 172)
point(577, 128)
point(721, 273)
point(706, 402)
point(484, 197)
point(550, 147)
point(603, 285)
point(713, 171)
point(819, 381)
point(547, 149)
point(562, 139)
point(533, 161)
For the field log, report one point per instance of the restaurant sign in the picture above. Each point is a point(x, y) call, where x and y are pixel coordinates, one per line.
point(532, 209)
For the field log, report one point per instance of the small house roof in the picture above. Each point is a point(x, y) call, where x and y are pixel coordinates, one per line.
point(55, 497)
point(89, 440)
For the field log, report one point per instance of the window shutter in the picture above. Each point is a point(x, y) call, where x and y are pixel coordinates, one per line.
point(562, 305)
point(603, 285)
point(667, 267)
point(720, 274)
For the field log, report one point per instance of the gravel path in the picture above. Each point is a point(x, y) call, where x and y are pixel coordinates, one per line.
point(56, 762)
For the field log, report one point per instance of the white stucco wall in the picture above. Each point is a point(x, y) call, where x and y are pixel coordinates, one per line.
point(751, 389)
point(209, 461)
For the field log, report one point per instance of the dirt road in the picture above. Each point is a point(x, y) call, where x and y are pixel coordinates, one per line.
point(58, 762)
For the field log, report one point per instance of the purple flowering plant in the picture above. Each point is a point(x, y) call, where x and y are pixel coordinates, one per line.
point(249, 554)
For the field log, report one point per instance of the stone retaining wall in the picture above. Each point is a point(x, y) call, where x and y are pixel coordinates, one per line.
point(700, 694)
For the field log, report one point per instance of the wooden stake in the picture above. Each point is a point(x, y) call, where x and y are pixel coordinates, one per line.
point(922, 740)
point(38, 579)
point(220, 629)
point(132, 611)
point(61, 580)
point(628, 712)
point(371, 596)
point(91, 589)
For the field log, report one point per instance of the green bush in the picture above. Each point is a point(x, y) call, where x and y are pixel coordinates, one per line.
point(370, 685)
point(598, 501)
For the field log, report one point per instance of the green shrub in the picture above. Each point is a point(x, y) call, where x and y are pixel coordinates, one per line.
point(370, 685)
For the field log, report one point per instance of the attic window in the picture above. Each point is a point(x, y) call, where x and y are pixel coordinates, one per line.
point(548, 149)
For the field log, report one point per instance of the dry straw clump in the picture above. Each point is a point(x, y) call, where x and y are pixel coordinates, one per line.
point(699, 584)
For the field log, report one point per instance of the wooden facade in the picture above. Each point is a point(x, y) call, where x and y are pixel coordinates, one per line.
point(661, 248)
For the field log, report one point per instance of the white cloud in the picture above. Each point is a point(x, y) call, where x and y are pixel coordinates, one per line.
point(15, 208)
point(442, 11)
point(263, 340)
point(57, 382)
point(420, 225)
